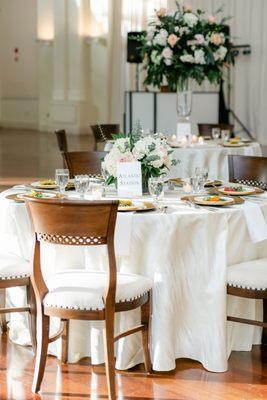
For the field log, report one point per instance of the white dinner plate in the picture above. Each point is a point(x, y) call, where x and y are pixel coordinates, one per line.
point(202, 200)
point(244, 192)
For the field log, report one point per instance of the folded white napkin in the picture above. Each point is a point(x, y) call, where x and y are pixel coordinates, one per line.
point(123, 233)
point(256, 224)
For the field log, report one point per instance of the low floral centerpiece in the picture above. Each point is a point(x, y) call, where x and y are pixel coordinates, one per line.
point(153, 152)
point(185, 45)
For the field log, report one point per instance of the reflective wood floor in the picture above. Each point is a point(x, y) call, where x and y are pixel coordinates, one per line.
point(245, 380)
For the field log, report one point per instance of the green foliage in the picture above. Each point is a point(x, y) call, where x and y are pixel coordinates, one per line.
point(217, 54)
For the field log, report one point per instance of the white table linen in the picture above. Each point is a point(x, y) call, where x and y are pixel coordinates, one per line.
point(186, 252)
point(211, 156)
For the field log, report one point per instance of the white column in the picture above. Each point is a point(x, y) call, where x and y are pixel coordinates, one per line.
point(60, 50)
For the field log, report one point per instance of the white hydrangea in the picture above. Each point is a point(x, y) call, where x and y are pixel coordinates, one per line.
point(220, 53)
point(187, 58)
point(155, 57)
point(199, 56)
point(117, 154)
point(183, 30)
point(190, 19)
point(150, 33)
point(161, 37)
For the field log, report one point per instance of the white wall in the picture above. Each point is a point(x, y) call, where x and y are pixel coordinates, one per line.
point(19, 84)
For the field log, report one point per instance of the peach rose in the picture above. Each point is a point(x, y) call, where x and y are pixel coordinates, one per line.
point(216, 39)
point(161, 12)
point(172, 39)
point(188, 8)
point(211, 19)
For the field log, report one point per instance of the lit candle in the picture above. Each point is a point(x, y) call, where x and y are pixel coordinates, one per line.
point(200, 140)
point(174, 138)
point(194, 139)
point(187, 188)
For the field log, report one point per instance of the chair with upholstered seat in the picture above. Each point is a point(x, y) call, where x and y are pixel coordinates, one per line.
point(104, 132)
point(84, 162)
point(248, 170)
point(206, 129)
point(15, 271)
point(61, 140)
point(83, 294)
point(249, 280)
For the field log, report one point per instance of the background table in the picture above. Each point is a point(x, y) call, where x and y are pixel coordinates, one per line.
point(186, 252)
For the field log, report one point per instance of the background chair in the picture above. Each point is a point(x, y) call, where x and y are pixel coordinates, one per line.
point(61, 140)
point(104, 132)
point(15, 271)
point(206, 129)
point(82, 294)
point(84, 162)
point(248, 170)
point(249, 280)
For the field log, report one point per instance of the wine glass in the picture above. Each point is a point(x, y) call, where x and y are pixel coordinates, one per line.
point(215, 133)
point(202, 177)
point(156, 187)
point(225, 135)
point(81, 183)
point(62, 179)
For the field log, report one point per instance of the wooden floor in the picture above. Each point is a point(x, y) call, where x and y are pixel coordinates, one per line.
point(245, 380)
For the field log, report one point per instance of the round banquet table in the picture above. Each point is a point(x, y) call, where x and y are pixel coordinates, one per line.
point(186, 252)
point(210, 155)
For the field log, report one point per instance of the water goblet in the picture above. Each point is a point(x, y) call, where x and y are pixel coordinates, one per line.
point(62, 179)
point(156, 188)
point(225, 135)
point(215, 133)
point(81, 183)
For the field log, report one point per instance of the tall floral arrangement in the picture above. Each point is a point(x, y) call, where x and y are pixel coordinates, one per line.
point(155, 155)
point(185, 44)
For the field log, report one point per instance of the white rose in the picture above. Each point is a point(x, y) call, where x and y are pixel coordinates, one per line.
point(188, 58)
point(199, 56)
point(150, 33)
point(200, 38)
point(220, 53)
point(161, 37)
point(190, 19)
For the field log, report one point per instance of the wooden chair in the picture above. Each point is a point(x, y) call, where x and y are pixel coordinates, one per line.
point(83, 294)
point(206, 129)
point(249, 279)
point(62, 140)
point(15, 271)
point(104, 132)
point(84, 162)
point(248, 170)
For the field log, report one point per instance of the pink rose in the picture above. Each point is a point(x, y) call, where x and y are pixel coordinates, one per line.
point(161, 12)
point(172, 39)
point(216, 39)
point(211, 19)
point(188, 8)
point(167, 53)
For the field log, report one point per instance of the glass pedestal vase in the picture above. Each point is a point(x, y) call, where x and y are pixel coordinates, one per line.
point(184, 108)
point(145, 178)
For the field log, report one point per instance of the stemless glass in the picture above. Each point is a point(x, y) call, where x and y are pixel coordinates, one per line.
point(62, 179)
point(81, 183)
point(215, 133)
point(156, 187)
point(225, 135)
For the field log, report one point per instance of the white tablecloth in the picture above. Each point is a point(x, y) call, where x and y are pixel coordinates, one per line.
point(209, 155)
point(212, 156)
point(186, 252)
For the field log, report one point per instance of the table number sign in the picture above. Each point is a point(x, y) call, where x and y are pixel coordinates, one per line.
point(183, 129)
point(129, 179)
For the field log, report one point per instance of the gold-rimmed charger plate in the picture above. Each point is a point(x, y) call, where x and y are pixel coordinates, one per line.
point(236, 200)
point(20, 197)
point(240, 144)
point(245, 192)
point(224, 201)
point(138, 207)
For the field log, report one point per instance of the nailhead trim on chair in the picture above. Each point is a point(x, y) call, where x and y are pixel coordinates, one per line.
point(93, 309)
point(6, 278)
point(245, 287)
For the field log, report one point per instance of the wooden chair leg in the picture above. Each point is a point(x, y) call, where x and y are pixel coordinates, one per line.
point(32, 316)
point(264, 332)
point(65, 342)
point(3, 321)
point(145, 320)
point(109, 355)
point(42, 345)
